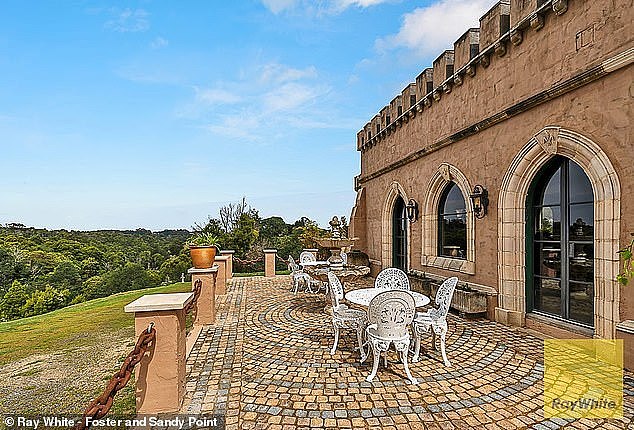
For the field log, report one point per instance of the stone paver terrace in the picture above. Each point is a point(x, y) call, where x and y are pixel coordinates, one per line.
point(267, 364)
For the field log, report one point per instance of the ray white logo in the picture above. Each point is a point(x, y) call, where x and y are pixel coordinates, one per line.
point(583, 404)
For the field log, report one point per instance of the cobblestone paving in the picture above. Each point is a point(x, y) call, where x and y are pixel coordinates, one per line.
point(267, 364)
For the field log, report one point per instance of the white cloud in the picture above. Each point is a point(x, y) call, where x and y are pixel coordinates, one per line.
point(432, 29)
point(279, 73)
point(266, 103)
point(318, 6)
point(159, 43)
point(128, 20)
point(216, 96)
point(277, 6)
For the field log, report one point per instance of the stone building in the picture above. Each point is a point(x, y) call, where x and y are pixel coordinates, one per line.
point(534, 107)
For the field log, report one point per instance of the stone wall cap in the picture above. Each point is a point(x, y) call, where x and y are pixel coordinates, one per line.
point(269, 251)
point(160, 302)
point(227, 251)
point(626, 326)
point(222, 258)
point(213, 269)
point(311, 249)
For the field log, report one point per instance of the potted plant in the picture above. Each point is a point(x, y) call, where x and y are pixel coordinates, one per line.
point(202, 249)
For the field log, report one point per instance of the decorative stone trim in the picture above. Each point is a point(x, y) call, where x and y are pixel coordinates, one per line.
point(429, 221)
point(500, 49)
point(560, 6)
point(511, 227)
point(394, 191)
point(517, 37)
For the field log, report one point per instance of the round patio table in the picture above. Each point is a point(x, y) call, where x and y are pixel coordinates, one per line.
point(364, 296)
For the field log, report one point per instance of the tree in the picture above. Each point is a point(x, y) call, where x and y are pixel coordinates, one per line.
point(48, 300)
point(273, 227)
point(13, 301)
point(245, 234)
point(231, 213)
point(66, 276)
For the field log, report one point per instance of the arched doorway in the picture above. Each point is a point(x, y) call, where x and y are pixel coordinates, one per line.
point(399, 235)
point(560, 243)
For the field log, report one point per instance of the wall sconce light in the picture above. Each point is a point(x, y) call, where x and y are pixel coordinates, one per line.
point(412, 210)
point(480, 199)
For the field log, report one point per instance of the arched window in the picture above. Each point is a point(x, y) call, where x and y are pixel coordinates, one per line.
point(452, 223)
point(560, 243)
point(399, 235)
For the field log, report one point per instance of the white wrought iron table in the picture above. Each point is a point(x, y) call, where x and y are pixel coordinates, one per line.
point(364, 296)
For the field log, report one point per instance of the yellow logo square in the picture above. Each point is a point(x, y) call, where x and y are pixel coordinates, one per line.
point(583, 378)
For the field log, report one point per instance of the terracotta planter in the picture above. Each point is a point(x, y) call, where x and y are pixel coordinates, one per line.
point(202, 256)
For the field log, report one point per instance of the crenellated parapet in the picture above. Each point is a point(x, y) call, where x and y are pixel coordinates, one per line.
point(501, 28)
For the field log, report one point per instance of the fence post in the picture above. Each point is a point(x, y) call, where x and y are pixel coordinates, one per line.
point(160, 375)
point(221, 280)
point(206, 304)
point(229, 253)
point(269, 262)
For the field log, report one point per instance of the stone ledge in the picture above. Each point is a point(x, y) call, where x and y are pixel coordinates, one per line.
point(626, 326)
point(160, 302)
point(213, 269)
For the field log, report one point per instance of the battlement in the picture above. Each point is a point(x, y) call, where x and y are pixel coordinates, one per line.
point(505, 23)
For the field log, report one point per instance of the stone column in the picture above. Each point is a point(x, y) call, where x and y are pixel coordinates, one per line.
point(312, 251)
point(221, 280)
point(160, 375)
point(206, 305)
point(229, 253)
point(269, 262)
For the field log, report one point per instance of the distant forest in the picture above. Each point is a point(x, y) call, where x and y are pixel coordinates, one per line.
point(42, 270)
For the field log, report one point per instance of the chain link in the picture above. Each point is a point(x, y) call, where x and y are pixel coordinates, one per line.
point(196, 289)
point(99, 407)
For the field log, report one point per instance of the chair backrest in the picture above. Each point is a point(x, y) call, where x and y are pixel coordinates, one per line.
point(336, 289)
point(392, 279)
point(443, 297)
point(392, 311)
point(306, 256)
point(344, 258)
point(292, 265)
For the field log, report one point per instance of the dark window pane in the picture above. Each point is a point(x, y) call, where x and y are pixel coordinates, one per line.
point(581, 262)
point(548, 223)
point(548, 260)
point(582, 222)
point(552, 191)
point(548, 295)
point(454, 236)
point(582, 303)
point(454, 202)
point(579, 186)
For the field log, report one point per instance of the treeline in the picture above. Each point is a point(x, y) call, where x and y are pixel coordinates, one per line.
point(42, 270)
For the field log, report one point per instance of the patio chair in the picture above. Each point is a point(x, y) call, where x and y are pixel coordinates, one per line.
point(307, 256)
point(435, 319)
point(392, 279)
point(390, 313)
point(344, 317)
point(299, 277)
point(344, 258)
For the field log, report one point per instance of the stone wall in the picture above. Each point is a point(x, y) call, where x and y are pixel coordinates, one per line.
point(560, 64)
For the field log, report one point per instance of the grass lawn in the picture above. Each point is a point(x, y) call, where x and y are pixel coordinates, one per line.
point(70, 326)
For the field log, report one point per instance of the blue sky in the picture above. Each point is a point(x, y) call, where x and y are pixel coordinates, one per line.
point(154, 114)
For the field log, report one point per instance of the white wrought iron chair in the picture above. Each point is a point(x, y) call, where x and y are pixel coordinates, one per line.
point(299, 277)
point(307, 256)
point(435, 319)
point(344, 258)
point(390, 313)
point(344, 317)
point(392, 279)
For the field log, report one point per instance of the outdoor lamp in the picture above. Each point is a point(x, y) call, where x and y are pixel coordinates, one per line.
point(480, 199)
point(412, 210)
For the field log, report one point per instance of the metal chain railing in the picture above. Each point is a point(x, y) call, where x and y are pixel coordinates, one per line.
point(247, 262)
point(282, 260)
point(99, 407)
point(191, 306)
